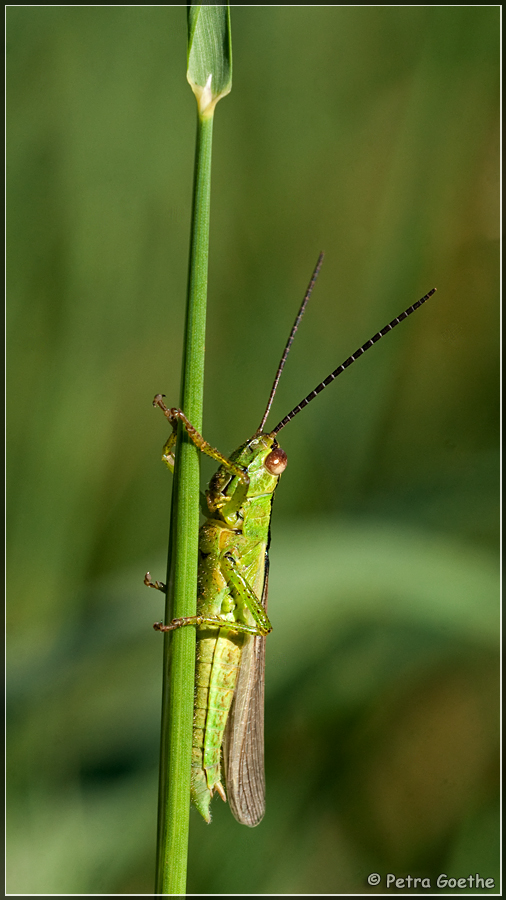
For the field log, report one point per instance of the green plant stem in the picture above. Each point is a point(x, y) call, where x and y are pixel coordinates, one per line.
point(179, 645)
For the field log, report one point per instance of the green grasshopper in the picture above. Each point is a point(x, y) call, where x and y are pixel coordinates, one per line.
point(231, 618)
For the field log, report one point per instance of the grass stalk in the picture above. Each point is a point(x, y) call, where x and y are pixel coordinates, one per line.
point(209, 74)
point(179, 646)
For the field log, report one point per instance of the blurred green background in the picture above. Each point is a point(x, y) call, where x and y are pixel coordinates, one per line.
point(371, 133)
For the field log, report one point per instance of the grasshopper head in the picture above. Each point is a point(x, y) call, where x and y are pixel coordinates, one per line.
point(263, 457)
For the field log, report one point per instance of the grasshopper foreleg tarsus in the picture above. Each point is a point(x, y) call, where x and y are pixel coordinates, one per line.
point(174, 416)
point(159, 585)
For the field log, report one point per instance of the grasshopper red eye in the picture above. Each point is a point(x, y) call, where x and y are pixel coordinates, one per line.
point(276, 461)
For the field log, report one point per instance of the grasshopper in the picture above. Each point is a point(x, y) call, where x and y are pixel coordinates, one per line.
point(231, 620)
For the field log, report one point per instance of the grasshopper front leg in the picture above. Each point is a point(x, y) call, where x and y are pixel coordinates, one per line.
point(174, 416)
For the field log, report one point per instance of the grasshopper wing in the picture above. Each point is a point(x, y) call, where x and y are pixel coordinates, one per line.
point(243, 744)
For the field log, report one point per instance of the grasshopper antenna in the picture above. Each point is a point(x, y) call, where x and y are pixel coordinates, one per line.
point(289, 342)
point(351, 359)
